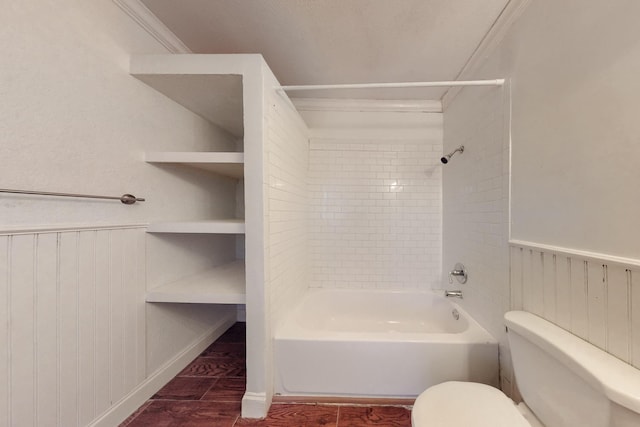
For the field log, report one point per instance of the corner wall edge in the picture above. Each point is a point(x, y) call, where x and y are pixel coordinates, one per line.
point(511, 12)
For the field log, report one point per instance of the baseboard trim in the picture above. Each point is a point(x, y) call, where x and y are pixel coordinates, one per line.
point(330, 400)
point(132, 401)
point(255, 405)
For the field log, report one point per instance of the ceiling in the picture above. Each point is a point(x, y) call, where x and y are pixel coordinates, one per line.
point(340, 41)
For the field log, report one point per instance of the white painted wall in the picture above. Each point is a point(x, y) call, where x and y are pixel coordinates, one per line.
point(375, 195)
point(70, 104)
point(73, 120)
point(574, 146)
point(575, 132)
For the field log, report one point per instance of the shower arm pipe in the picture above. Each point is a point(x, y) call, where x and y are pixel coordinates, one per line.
point(127, 199)
point(445, 159)
point(454, 83)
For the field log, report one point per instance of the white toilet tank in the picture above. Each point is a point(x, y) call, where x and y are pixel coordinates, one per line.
point(568, 382)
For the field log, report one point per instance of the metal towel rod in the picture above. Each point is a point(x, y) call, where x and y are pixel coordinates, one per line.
point(127, 199)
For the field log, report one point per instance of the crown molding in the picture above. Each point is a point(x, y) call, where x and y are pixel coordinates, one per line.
point(367, 105)
point(152, 25)
point(511, 12)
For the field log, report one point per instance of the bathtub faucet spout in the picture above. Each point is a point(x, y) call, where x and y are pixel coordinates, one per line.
point(457, 294)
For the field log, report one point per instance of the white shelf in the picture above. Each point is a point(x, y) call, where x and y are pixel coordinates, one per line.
point(228, 226)
point(223, 163)
point(223, 284)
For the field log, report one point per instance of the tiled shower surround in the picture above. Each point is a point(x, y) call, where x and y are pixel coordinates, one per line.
point(376, 212)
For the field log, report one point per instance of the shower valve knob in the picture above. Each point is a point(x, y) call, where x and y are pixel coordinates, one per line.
point(459, 272)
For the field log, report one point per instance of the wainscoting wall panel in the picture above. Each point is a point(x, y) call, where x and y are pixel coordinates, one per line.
point(596, 298)
point(72, 334)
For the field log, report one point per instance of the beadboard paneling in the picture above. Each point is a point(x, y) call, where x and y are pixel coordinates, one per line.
point(593, 298)
point(72, 324)
point(5, 332)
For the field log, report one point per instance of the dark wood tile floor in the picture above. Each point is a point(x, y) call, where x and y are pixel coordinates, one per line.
point(208, 393)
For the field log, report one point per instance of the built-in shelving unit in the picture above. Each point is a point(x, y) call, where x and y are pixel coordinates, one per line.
point(224, 284)
point(232, 92)
point(212, 89)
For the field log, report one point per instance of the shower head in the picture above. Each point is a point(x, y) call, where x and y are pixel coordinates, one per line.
point(445, 159)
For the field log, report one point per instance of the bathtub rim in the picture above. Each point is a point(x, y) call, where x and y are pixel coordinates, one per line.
point(289, 329)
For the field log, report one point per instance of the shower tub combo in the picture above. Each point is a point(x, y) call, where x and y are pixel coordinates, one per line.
point(386, 344)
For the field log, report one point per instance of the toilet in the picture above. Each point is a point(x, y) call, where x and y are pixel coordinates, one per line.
point(564, 382)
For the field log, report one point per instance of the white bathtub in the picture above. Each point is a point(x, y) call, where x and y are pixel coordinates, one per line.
point(369, 343)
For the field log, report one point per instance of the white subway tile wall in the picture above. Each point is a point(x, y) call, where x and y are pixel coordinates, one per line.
point(376, 212)
point(476, 190)
point(287, 152)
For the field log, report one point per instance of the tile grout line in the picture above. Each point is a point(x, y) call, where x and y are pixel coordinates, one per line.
point(209, 389)
point(189, 400)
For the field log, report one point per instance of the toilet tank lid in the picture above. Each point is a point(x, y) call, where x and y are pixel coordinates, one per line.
point(619, 381)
